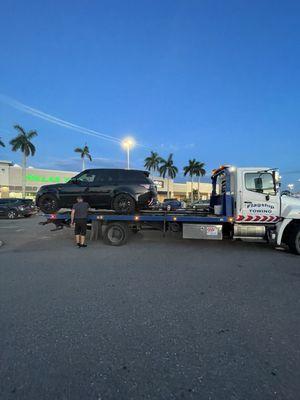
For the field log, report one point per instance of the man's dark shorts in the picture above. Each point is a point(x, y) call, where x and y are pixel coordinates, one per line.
point(80, 227)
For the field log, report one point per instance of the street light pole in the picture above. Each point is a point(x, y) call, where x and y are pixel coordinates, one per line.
point(128, 144)
point(128, 167)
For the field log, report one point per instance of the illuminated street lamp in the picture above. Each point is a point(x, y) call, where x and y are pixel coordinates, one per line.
point(127, 144)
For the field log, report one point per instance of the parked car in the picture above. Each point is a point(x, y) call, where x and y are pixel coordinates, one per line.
point(171, 204)
point(29, 203)
point(124, 191)
point(14, 208)
point(201, 205)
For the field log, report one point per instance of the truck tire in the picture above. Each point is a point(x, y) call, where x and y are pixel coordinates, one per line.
point(124, 204)
point(48, 203)
point(116, 234)
point(294, 239)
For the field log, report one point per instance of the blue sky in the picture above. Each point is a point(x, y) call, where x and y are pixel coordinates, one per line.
point(215, 80)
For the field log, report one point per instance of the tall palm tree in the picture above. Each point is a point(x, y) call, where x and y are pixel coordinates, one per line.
point(167, 168)
point(152, 162)
point(191, 170)
point(23, 143)
point(200, 171)
point(2, 143)
point(84, 152)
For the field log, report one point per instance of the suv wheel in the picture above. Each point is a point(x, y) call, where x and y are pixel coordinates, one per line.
point(48, 203)
point(124, 204)
point(12, 214)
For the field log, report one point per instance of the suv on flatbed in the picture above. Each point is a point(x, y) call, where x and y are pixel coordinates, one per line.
point(124, 191)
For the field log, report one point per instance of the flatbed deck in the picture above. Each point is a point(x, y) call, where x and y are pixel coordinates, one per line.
point(147, 216)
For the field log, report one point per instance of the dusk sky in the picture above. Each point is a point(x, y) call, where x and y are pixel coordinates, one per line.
point(218, 81)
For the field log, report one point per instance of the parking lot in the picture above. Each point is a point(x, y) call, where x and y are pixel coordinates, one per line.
point(155, 319)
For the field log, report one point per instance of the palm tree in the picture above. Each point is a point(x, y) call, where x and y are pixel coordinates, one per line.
point(191, 170)
point(168, 169)
point(2, 143)
point(152, 162)
point(85, 152)
point(200, 171)
point(23, 143)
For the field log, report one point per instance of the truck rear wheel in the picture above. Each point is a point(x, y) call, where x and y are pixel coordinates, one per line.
point(116, 234)
point(294, 239)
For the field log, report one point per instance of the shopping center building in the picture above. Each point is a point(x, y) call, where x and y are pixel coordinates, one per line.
point(11, 182)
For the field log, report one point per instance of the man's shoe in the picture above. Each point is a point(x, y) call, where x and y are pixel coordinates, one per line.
point(78, 245)
point(83, 245)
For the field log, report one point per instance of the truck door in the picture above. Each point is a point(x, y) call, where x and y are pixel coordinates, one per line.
point(259, 199)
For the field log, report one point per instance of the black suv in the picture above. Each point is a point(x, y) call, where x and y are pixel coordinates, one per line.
point(13, 208)
point(115, 189)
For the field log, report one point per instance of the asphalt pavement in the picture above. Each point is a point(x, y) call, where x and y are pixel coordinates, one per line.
point(159, 318)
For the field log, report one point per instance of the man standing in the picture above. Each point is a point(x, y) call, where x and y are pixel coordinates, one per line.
point(79, 215)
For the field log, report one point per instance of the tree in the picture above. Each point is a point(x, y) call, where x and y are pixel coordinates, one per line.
point(167, 168)
point(152, 162)
point(2, 143)
point(191, 170)
point(85, 152)
point(23, 143)
point(200, 171)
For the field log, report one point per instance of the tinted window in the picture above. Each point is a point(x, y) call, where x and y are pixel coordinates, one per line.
point(260, 183)
point(107, 176)
point(133, 177)
point(87, 177)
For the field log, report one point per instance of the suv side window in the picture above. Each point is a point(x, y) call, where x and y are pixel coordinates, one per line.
point(128, 176)
point(87, 177)
point(106, 177)
point(260, 183)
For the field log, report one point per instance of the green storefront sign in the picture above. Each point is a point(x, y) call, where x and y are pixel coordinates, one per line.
point(46, 179)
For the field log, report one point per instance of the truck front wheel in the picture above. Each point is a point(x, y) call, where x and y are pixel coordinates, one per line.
point(294, 239)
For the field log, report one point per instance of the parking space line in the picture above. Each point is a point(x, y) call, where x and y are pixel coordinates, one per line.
point(9, 227)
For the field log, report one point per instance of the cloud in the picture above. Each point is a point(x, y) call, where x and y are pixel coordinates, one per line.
point(174, 147)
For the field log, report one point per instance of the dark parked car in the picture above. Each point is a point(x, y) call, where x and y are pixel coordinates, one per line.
point(14, 208)
point(171, 204)
point(201, 205)
point(115, 189)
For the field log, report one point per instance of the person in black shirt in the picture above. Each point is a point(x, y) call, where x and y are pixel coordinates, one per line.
point(79, 216)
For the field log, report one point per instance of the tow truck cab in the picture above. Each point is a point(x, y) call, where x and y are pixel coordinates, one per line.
point(252, 197)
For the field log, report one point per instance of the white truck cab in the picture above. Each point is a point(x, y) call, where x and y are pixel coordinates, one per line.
point(259, 210)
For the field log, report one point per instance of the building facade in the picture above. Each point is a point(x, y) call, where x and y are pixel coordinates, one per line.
point(11, 182)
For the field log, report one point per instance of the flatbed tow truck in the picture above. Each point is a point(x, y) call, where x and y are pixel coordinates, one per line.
point(245, 204)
